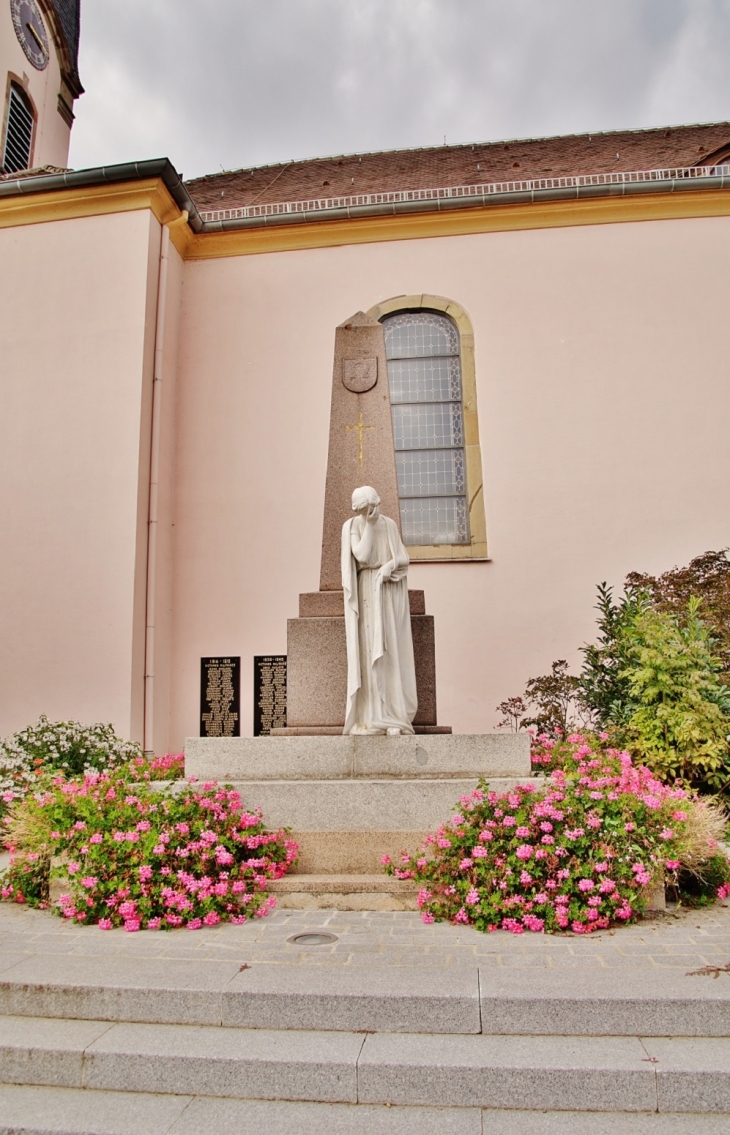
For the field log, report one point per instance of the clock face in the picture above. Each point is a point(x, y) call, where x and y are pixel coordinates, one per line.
point(31, 31)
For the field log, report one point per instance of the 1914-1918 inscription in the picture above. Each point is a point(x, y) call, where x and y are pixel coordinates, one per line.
point(269, 693)
point(220, 697)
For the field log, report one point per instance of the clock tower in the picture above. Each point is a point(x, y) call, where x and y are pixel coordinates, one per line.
point(39, 81)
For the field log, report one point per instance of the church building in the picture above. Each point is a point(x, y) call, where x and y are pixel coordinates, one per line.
point(553, 315)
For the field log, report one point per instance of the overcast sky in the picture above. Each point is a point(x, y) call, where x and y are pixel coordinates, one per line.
point(227, 84)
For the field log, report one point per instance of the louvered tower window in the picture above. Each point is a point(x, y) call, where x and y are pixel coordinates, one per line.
point(19, 132)
point(424, 372)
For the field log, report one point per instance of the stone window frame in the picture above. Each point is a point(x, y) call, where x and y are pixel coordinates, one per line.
point(476, 549)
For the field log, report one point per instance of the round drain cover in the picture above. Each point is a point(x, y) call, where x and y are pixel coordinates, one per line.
point(312, 939)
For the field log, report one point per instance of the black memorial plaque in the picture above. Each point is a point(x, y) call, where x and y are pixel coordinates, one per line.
point(220, 697)
point(269, 693)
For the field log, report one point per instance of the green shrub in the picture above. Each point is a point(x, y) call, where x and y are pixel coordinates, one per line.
point(678, 713)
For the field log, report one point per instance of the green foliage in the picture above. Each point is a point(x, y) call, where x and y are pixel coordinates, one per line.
point(677, 711)
point(604, 684)
point(655, 677)
point(557, 699)
point(701, 887)
point(707, 577)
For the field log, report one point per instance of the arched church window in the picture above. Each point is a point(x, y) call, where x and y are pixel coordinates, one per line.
point(18, 141)
point(424, 372)
point(429, 343)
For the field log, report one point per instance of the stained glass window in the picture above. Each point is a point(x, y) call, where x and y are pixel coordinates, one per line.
point(424, 372)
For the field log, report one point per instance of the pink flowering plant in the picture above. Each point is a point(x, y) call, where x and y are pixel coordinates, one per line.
point(578, 852)
point(131, 855)
point(170, 766)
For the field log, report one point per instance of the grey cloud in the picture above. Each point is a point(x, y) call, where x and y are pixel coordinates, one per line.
point(232, 83)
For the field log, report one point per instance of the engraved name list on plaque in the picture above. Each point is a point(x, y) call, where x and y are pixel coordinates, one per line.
point(269, 693)
point(220, 697)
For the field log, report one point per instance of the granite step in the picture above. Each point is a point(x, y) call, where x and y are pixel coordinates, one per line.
point(352, 852)
point(361, 805)
point(71, 1111)
point(233, 994)
point(595, 1074)
point(324, 997)
point(344, 892)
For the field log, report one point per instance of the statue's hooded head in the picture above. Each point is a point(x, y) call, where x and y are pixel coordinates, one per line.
point(364, 497)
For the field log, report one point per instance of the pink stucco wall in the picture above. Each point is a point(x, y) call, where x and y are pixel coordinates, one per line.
point(603, 401)
point(52, 135)
point(77, 323)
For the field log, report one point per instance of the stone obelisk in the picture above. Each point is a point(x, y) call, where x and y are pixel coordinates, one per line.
point(361, 452)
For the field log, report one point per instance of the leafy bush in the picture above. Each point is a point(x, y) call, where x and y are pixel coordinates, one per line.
point(64, 747)
point(604, 683)
point(557, 698)
point(138, 857)
point(653, 678)
point(707, 577)
point(578, 853)
point(678, 719)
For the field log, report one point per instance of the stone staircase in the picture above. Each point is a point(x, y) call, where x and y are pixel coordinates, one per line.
point(351, 800)
point(141, 1046)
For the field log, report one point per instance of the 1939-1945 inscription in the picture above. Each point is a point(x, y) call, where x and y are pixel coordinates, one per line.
point(220, 697)
point(269, 693)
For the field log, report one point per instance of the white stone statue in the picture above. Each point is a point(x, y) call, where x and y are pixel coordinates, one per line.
point(381, 675)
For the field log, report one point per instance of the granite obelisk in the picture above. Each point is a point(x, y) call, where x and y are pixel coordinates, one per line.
point(361, 452)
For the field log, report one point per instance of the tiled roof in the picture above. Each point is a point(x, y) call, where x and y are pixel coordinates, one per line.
point(68, 16)
point(444, 166)
point(38, 171)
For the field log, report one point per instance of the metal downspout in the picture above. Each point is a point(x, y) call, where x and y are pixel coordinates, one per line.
point(152, 513)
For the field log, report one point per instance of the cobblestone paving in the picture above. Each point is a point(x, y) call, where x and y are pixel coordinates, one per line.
point(684, 940)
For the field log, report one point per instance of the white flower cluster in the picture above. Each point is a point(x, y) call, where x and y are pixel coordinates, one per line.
point(65, 747)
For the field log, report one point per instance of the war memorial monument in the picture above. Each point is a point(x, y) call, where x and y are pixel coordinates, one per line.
point(362, 768)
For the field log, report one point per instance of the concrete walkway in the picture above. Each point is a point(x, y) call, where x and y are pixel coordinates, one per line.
point(676, 942)
point(394, 1028)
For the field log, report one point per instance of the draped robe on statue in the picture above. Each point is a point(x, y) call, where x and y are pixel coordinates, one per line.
point(381, 674)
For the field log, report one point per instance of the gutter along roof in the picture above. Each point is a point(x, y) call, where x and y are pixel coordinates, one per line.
point(397, 208)
point(642, 182)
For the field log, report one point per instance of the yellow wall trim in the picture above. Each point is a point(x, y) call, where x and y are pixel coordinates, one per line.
point(152, 194)
point(461, 222)
point(96, 201)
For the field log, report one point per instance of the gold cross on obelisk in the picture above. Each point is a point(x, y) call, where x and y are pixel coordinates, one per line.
point(360, 429)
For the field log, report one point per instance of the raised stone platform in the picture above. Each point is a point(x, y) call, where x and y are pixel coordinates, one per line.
point(350, 800)
point(430, 756)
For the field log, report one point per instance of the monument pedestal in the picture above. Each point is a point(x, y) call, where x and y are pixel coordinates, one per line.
point(317, 666)
point(350, 800)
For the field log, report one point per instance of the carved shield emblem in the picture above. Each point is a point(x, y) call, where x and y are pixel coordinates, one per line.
point(359, 375)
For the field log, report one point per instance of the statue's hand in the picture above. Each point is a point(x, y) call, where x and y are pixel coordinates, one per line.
point(372, 514)
point(385, 575)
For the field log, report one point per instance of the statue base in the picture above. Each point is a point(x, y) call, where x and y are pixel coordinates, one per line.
point(350, 800)
point(336, 730)
point(317, 666)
